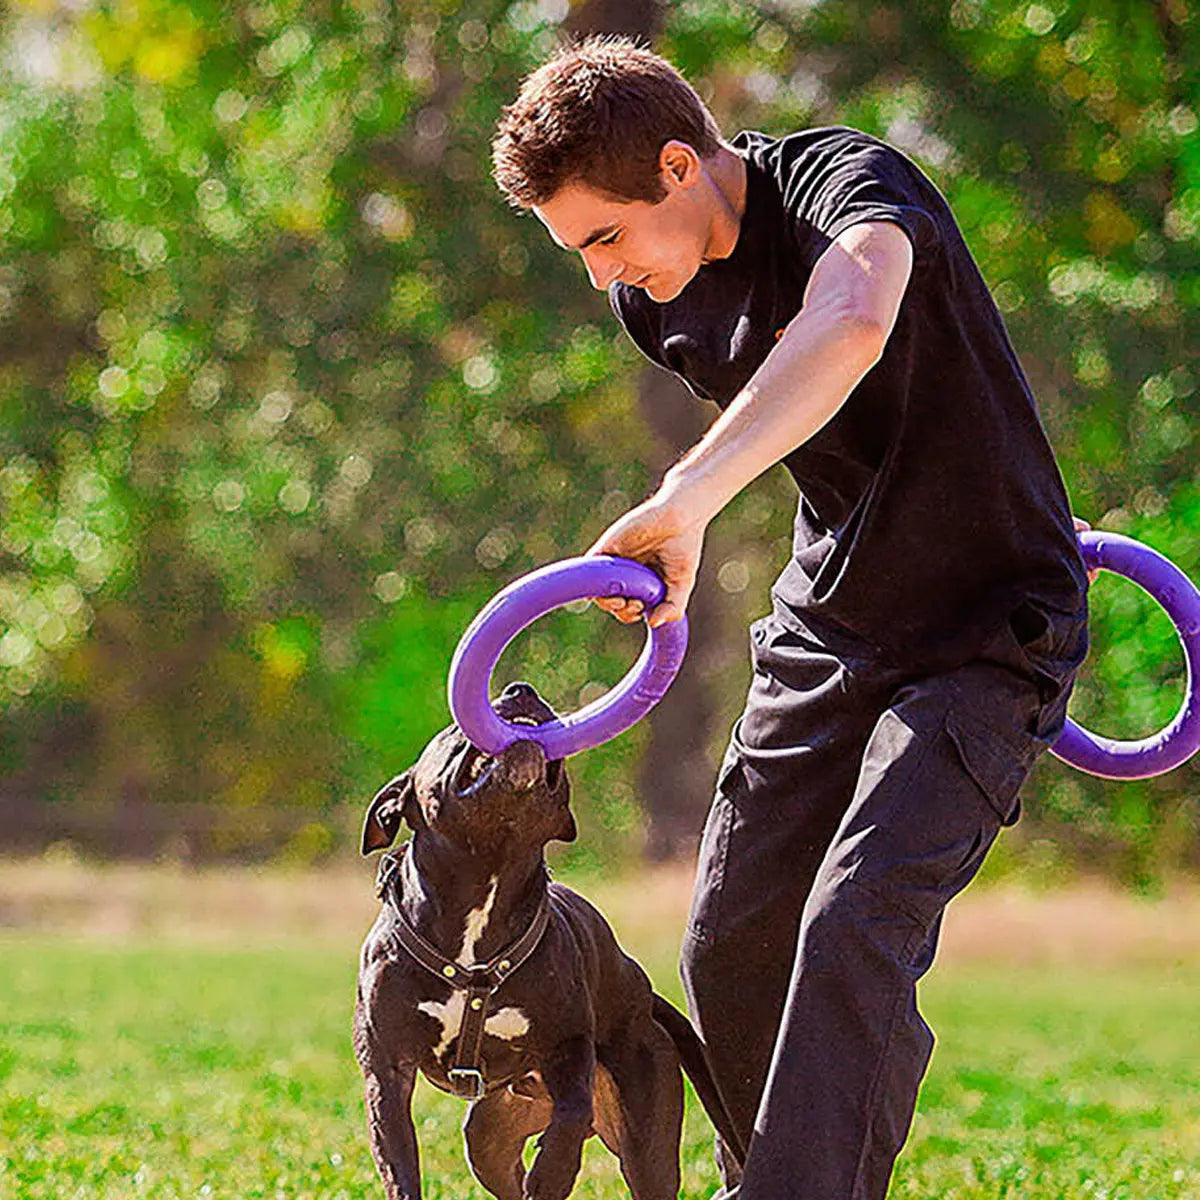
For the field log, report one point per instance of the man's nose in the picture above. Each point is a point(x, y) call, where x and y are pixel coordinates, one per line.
point(601, 269)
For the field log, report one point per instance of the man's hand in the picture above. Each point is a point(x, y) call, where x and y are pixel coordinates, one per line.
point(664, 536)
point(1080, 526)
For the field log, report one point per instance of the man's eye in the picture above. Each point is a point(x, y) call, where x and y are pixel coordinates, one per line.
point(611, 239)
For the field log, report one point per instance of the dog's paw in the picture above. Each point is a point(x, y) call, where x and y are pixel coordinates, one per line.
point(550, 1178)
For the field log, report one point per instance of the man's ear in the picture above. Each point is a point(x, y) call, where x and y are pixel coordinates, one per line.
point(680, 161)
point(395, 800)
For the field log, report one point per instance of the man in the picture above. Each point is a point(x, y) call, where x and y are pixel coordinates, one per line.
point(926, 630)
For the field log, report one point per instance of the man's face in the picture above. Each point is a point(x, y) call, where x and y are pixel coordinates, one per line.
point(658, 247)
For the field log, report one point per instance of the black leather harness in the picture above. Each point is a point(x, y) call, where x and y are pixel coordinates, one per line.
point(480, 981)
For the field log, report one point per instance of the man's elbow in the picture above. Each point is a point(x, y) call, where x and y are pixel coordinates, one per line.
point(862, 335)
point(849, 326)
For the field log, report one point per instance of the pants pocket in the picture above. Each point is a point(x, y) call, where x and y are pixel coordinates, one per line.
point(997, 768)
point(930, 800)
point(714, 853)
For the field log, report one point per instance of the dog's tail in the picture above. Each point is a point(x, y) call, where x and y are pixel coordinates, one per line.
point(694, 1057)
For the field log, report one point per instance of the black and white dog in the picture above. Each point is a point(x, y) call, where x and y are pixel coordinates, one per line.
point(507, 989)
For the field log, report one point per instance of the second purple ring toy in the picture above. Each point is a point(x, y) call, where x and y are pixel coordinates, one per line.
point(522, 603)
point(1180, 739)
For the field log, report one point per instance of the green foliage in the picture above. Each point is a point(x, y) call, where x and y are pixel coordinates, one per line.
point(278, 385)
point(286, 391)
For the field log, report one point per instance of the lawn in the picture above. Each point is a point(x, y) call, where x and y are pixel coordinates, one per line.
point(151, 1056)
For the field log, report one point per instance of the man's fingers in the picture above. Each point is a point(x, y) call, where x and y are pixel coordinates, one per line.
point(666, 611)
point(620, 607)
point(1082, 526)
point(629, 611)
point(673, 606)
point(614, 604)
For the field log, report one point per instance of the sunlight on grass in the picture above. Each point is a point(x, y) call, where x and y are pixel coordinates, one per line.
point(134, 1067)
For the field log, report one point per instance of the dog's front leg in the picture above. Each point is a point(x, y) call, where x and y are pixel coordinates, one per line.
point(388, 1091)
point(568, 1075)
point(389, 1073)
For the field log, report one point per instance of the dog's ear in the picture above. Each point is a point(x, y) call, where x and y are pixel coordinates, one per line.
point(395, 800)
point(566, 830)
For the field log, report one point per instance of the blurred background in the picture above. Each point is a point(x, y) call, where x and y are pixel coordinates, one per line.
point(287, 392)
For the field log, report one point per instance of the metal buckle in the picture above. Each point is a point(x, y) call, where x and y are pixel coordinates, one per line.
point(466, 1083)
point(389, 867)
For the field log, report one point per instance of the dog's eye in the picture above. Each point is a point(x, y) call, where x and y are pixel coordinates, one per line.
point(473, 766)
point(467, 770)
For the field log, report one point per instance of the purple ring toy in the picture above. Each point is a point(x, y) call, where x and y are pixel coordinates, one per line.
point(1179, 740)
point(518, 606)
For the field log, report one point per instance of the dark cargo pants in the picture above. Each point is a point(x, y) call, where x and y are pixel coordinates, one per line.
point(854, 801)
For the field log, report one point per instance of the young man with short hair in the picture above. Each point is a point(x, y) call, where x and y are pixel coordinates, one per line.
point(924, 634)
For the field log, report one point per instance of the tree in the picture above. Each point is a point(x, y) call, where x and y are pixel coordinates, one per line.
point(287, 392)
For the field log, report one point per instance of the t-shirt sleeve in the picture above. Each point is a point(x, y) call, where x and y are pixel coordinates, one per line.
point(633, 320)
point(861, 180)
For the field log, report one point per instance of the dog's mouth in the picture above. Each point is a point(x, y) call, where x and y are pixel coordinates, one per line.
point(476, 769)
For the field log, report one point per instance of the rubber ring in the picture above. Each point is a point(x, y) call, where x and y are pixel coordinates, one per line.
point(1177, 741)
point(522, 603)
point(551, 587)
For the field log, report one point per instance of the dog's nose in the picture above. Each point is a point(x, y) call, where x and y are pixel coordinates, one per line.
point(518, 691)
point(525, 762)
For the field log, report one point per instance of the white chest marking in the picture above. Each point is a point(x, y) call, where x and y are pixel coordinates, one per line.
point(476, 923)
point(505, 1023)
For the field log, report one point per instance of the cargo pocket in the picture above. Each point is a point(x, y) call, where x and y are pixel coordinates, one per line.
point(714, 852)
point(998, 769)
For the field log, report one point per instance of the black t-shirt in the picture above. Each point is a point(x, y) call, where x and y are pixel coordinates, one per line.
point(932, 516)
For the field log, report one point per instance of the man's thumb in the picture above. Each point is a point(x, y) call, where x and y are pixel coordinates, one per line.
point(667, 611)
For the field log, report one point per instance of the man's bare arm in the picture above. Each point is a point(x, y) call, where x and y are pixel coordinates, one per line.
point(850, 307)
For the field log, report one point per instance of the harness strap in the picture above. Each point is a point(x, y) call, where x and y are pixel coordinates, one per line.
point(480, 982)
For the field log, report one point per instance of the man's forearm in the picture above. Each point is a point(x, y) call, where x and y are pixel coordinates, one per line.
point(799, 387)
point(850, 307)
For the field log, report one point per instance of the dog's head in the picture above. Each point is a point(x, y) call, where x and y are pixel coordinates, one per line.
point(475, 799)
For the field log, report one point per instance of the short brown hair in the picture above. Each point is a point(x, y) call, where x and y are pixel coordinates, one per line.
point(599, 113)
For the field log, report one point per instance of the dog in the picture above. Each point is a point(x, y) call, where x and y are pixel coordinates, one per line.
point(509, 990)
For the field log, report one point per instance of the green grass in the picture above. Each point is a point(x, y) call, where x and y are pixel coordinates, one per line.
point(1053, 1082)
point(131, 1070)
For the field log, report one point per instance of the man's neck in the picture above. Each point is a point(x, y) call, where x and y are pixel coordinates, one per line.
point(726, 171)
